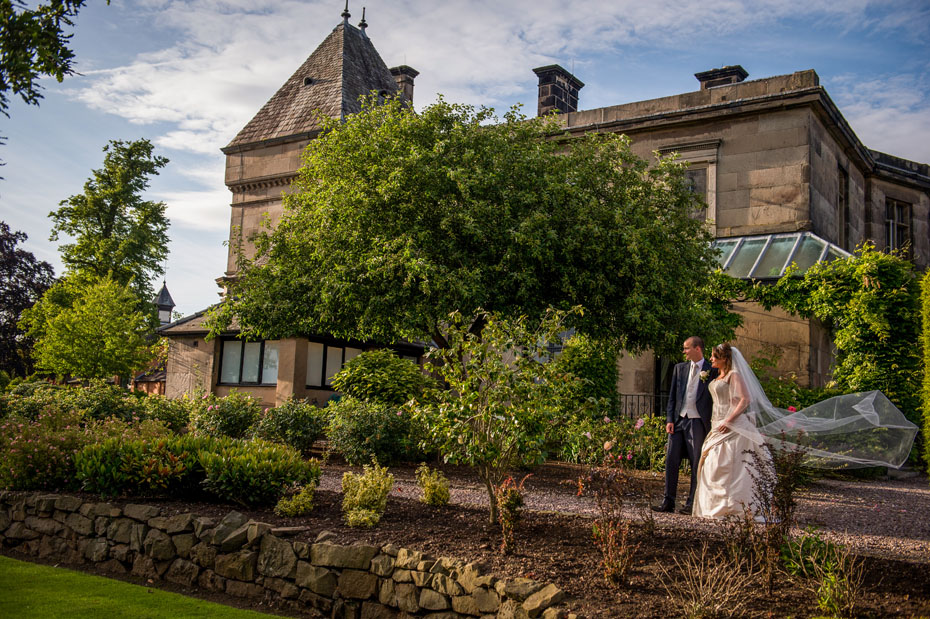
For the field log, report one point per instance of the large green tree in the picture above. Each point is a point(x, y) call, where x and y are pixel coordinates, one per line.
point(116, 232)
point(23, 279)
point(398, 219)
point(33, 44)
point(97, 332)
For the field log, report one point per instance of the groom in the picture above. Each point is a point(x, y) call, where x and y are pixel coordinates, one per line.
point(687, 420)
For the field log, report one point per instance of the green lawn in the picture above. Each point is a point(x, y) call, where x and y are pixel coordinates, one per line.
point(29, 590)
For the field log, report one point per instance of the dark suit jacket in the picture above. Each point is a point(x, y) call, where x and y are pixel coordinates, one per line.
point(676, 399)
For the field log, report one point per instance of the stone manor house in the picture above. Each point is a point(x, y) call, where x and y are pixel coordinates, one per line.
point(784, 177)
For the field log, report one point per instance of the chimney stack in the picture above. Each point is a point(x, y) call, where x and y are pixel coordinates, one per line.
point(722, 76)
point(558, 90)
point(404, 77)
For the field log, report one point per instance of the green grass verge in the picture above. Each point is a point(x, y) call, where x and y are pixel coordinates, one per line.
point(28, 590)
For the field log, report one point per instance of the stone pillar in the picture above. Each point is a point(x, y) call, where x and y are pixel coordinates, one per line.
point(404, 77)
point(558, 90)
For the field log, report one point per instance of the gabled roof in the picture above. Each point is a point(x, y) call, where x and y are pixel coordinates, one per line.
point(344, 67)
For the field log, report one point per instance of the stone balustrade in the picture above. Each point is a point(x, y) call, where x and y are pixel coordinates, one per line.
point(249, 559)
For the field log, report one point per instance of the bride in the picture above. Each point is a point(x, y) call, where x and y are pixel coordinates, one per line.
point(853, 430)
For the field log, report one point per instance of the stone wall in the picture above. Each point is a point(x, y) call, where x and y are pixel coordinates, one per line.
point(249, 559)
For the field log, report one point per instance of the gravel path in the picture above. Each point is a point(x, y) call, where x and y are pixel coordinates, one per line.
point(884, 517)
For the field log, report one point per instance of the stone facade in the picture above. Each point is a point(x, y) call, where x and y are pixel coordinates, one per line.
point(769, 156)
point(775, 156)
point(251, 559)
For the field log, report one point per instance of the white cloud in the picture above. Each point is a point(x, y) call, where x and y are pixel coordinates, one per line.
point(228, 57)
point(890, 114)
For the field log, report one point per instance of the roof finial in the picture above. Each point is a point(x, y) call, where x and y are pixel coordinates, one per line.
point(363, 24)
point(345, 13)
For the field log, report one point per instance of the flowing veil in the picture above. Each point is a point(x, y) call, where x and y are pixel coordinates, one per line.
point(852, 430)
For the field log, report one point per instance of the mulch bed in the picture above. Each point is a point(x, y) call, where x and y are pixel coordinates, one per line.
point(555, 546)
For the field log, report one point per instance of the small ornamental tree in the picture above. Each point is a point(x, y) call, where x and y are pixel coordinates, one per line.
point(101, 334)
point(502, 396)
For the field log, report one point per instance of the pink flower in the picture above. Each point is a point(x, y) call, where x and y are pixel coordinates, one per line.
point(399, 413)
point(640, 423)
point(267, 409)
point(609, 445)
point(629, 455)
point(792, 409)
point(588, 434)
point(606, 419)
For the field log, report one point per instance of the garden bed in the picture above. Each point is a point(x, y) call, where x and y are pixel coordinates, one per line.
point(554, 539)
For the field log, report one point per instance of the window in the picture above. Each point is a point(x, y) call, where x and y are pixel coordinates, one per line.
point(697, 184)
point(897, 224)
point(325, 360)
point(248, 363)
point(842, 209)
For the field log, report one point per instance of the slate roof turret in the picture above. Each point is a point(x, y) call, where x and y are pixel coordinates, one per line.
point(344, 67)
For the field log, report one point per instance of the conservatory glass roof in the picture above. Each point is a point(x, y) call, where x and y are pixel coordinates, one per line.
point(769, 255)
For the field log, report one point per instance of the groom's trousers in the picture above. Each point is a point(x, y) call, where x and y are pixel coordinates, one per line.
point(685, 442)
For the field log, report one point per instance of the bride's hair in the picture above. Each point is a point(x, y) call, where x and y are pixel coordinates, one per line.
point(725, 354)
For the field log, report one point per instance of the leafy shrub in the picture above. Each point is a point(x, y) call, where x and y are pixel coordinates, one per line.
point(381, 377)
point(827, 570)
point(365, 496)
point(641, 443)
point(174, 413)
point(39, 454)
point(509, 497)
point(362, 431)
point(231, 416)
point(143, 467)
point(34, 399)
point(255, 472)
point(298, 505)
point(800, 554)
point(295, 422)
point(28, 388)
point(434, 484)
point(595, 364)
point(99, 400)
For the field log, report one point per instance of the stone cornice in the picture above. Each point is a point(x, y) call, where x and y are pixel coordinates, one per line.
point(261, 182)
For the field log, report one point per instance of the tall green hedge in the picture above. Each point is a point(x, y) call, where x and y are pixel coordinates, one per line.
point(925, 340)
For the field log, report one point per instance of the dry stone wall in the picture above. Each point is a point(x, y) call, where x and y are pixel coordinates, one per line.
point(249, 559)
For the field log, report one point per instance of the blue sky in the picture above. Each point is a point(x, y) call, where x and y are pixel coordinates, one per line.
point(189, 74)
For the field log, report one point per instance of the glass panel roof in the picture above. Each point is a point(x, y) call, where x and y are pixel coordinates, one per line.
point(745, 257)
point(767, 256)
point(774, 258)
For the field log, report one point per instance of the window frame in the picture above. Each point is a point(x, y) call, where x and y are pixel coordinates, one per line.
point(224, 341)
point(898, 226)
point(329, 345)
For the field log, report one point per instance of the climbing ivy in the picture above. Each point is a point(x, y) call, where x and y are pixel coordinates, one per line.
point(871, 300)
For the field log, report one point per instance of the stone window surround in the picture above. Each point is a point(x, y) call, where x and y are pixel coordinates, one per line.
point(701, 154)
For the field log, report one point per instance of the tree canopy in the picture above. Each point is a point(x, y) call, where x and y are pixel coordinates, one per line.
point(33, 43)
point(96, 332)
point(116, 232)
point(398, 219)
point(23, 279)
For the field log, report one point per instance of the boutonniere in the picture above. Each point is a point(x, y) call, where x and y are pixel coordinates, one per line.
point(704, 376)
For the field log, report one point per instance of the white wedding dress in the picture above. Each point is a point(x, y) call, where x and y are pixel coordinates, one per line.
point(725, 485)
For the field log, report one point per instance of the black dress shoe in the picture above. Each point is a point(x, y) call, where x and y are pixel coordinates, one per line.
point(685, 510)
point(666, 507)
